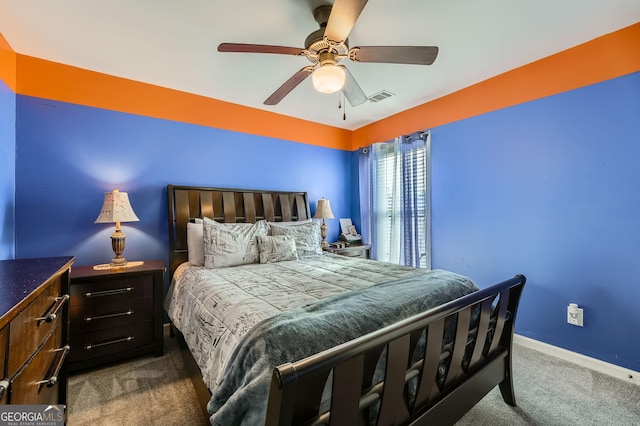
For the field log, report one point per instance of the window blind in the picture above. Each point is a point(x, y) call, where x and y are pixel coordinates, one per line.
point(401, 208)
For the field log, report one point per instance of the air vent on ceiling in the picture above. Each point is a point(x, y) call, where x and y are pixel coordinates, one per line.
point(380, 96)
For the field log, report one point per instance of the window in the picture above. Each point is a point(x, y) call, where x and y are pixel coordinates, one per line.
point(395, 205)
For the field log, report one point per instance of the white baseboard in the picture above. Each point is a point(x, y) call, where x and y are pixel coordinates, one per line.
point(609, 369)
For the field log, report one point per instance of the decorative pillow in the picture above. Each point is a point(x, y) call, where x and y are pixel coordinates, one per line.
point(306, 236)
point(277, 249)
point(231, 244)
point(195, 242)
point(294, 223)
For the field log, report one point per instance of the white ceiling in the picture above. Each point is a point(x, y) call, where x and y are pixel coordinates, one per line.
point(173, 44)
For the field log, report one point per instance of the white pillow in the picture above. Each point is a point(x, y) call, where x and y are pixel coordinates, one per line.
point(277, 248)
point(294, 223)
point(307, 237)
point(231, 244)
point(195, 242)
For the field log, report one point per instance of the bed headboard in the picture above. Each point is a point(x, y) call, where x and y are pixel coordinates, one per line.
point(227, 205)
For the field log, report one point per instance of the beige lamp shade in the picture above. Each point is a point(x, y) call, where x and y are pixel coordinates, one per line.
point(116, 208)
point(323, 210)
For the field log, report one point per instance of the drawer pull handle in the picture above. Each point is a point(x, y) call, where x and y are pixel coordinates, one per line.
point(119, 314)
point(108, 292)
point(4, 385)
point(53, 379)
point(111, 342)
point(50, 317)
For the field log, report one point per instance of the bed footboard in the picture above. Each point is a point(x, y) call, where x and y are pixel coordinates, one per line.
point(428, 369)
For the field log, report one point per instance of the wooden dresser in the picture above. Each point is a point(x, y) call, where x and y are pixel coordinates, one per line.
point(34, 318)
point(115, 314)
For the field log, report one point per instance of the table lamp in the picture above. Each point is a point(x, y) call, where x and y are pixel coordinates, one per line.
point(115, 209)
point(323, 211)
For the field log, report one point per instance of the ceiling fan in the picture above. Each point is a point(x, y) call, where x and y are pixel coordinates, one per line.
point(326, 47)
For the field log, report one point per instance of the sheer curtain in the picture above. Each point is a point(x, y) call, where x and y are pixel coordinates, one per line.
point(395, 200)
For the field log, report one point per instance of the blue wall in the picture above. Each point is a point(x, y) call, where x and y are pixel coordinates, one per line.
point(550, 189)
point(7, 171)
point(69, 155)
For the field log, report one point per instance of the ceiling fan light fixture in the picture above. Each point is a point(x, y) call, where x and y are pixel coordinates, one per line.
point(328, 78)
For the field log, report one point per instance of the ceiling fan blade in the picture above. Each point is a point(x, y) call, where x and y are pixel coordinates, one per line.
point(352, 90)
point(417, 55)
point(258, 48)
point(343, 17)
point(289, 85)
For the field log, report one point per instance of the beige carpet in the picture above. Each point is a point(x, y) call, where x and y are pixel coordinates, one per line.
point(549, 392)
point(142, 391)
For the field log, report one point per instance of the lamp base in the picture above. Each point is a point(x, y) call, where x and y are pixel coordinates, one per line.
point(117, 243)
point(323, 233)
point(118, 262)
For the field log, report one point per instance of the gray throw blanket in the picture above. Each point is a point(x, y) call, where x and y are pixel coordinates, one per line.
point(241, 395)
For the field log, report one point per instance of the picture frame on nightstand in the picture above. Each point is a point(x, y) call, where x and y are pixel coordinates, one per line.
point(345, 224)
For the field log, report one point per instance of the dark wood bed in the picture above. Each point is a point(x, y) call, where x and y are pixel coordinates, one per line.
point(438, 386)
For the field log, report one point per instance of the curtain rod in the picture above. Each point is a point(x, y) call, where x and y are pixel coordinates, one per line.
point(420, 135)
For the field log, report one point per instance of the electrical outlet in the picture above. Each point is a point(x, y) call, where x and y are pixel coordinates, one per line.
point(575, 315)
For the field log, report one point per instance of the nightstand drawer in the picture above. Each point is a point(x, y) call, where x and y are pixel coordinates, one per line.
point(110, 341)
point(90, 318)
point(113, 290)
point(115, 314)
point(351, 250)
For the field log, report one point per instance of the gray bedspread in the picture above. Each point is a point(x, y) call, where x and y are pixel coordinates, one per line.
point(240, 396)
point(215, 308)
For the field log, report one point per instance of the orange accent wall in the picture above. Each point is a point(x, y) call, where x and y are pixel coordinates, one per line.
point(606, 57)
point(7, 64)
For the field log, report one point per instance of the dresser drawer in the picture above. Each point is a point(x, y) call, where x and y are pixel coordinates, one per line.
point(28, 386)
point(33, 325)
point(111, 291)
point(90, 318)
point(4, 342)
point(29, 329)
point(110, 341)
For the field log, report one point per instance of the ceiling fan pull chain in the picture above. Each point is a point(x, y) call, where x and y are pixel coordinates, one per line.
point(344, 111)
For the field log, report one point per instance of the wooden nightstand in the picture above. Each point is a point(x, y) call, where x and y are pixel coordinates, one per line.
point(115, 314)
point(353, 250)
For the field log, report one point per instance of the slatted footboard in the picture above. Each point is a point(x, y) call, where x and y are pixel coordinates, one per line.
point(428, 369)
